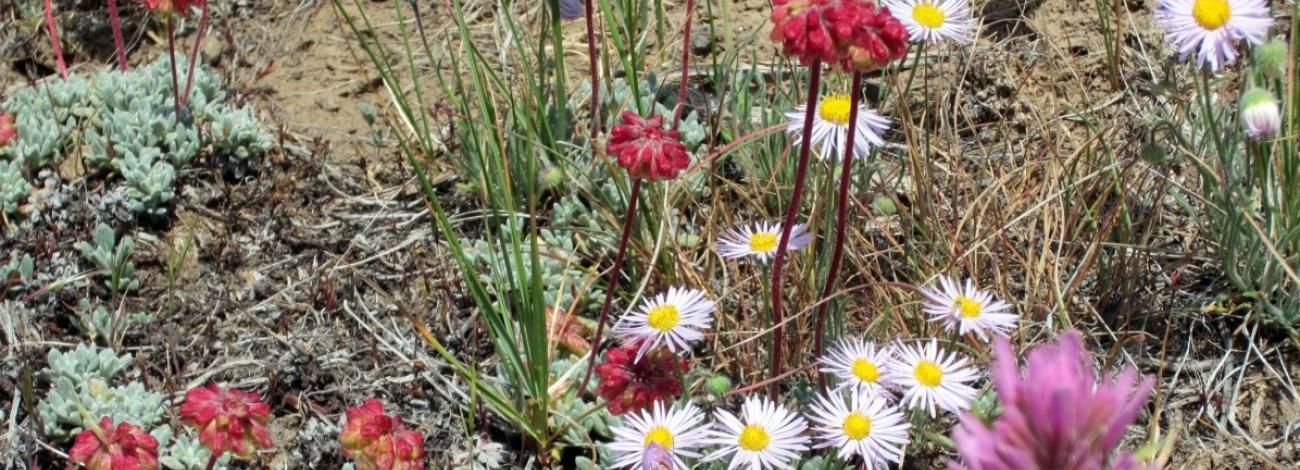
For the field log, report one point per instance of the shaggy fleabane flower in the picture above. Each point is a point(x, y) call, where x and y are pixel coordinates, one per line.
point(765, 435)
point(967, 309)
point(865, 425)
point(760, 240)
point(859, 365)
point(1057, 415)
point(875, 39)
point(227, 419)
point(571, 10)
point(1260, 116)
point(931, 377)
point(830, 132)
point(8, 131)
point(935, 20)
point(376, 441)
point(123, 446)
point(646, 148)
point(675, 320)
point(675, 432)
point(631, 384)
point(1211, 28)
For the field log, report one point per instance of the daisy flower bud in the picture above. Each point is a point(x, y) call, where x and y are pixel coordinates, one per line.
point(8, 131)
point(1271, 59)
point(115, 447)
point(1260, 116)
point(374, 440)
point(227, 419)
point(647, 149)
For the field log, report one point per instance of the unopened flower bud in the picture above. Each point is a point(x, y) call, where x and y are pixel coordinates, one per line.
point(1271, 59)
point(1260, 116)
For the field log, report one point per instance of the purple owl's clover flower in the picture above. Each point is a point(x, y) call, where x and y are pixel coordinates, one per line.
point(1057, 416)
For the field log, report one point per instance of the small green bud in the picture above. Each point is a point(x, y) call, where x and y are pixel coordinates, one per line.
point(885, 205)
point(688, 240)
point(718, 385)
point(554, 178)
point(1153, 153)
point(1271, 59)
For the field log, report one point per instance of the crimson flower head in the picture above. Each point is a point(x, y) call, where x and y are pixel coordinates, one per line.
point(875, 39)
point(377, 441)
point(8, 132)
point(807, 29)
point(646, 149)
point(630, 385)
point(171, 6)
point(109, 447)
point(227, 419)
point(1057, 416)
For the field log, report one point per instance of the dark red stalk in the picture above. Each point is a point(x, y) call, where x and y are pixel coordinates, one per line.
point(595, 83)
point(212, 462)
point(117, 35)
point(613, 280)
point(814, 85)
point(841, 212)
point(54, 38)
point(194, 56)
point(686, 60)
point(171, 49)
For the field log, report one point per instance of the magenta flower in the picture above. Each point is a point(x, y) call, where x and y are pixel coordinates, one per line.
point(227, 419)
point(1057, 416)
point(121, 446)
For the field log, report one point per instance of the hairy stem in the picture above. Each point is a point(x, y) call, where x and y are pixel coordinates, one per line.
point(633, 195)
point(54, 38)
point(841, 212)
point(194, 55)
point(116, 21)
point(814, 85)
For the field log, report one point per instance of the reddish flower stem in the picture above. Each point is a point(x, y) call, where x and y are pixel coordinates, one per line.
point(212, 462)
point(117, 35)
point(686, 60)
point(593, 59)
point(194, 56)
point(841, 212)
point(814, 86)
point(171, 49)
point(54, 38)
point(613, 280)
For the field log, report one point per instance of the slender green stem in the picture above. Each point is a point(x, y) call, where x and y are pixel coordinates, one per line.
point(778, 263)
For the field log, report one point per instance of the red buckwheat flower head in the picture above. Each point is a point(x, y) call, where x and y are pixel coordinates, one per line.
point(227, 419)
point(807, 29)
point(630, 385)
point(377, 441)
point(109, 447)
point(8, 132)
point(171, 6)
point(876, 39)
point(646, 149)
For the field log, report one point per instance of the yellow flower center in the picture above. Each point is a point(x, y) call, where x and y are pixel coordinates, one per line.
point(762, 242)
point(928, 15)
point(856, 426)
point(659, 435)
point(928, 374)
point(835, 109)
point(663, 318)
point(967, 307)
point(865, 371)
point(1211, 14)
point(754, 438)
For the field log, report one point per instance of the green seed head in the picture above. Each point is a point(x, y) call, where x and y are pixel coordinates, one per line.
point(1271, 58)
point(718, 385)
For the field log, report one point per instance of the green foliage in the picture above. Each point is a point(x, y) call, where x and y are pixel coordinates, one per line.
point(113, 258)
point(187, 453)
point(19, 268)
point(80, 394)
point(13, 187)
point(46, 116)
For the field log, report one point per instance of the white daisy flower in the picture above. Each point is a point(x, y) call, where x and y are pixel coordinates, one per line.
point(675, 319)
point(968, 309)
point(766, 435)
point(935, 20)
point(866, 425)
point(859, 365)
point(678, 431)
point(830, 133)
point(760, 240)
point(930, 376)
point(1212, 27)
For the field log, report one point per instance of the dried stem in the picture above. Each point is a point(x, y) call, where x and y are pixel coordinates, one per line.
point(841, 212)
point(686, 60)
point(54, 38)
point(593, 59)
point(814, 86)
point(633, 195)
